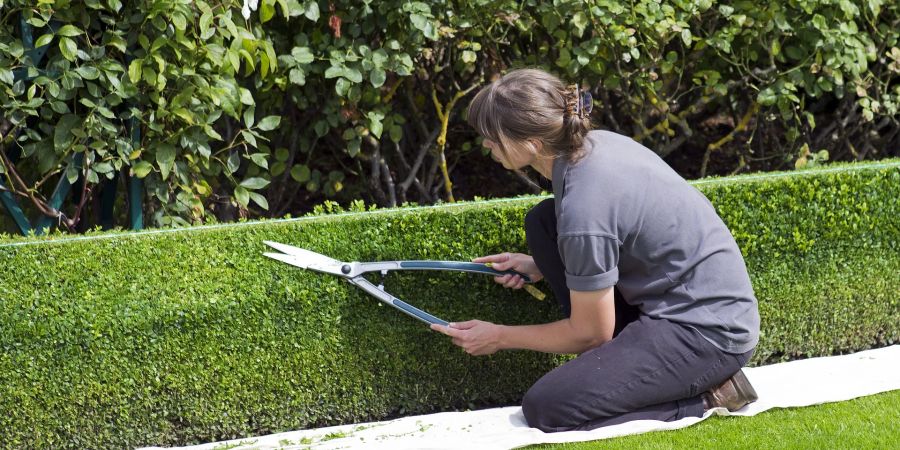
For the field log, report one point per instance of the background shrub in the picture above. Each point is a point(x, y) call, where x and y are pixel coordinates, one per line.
point(346, 100)
point(186, 336)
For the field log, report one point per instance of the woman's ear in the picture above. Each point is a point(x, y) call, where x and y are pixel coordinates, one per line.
point(536, 144)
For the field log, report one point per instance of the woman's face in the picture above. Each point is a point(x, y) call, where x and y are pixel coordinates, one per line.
point(515, 158)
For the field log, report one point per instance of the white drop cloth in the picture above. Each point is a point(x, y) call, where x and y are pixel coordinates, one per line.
point(791, 384)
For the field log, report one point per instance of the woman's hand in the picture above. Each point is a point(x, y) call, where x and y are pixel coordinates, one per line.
point(476, 337)
point(512, 261)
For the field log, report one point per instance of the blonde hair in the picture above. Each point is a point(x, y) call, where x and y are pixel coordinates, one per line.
point(531, 103)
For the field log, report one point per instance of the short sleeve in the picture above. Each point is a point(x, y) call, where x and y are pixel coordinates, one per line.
point(591, 261)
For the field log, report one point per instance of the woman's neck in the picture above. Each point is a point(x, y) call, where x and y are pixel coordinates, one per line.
point(544, 166)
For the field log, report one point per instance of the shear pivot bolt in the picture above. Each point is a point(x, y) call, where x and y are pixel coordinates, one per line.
point(345, 269)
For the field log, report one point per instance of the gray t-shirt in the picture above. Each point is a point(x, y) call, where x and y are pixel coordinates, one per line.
point(625, 218)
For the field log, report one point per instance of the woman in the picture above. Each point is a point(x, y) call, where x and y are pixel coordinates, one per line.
point(622, 218)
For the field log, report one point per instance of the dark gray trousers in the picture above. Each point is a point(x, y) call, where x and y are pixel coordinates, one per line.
point(652, 369)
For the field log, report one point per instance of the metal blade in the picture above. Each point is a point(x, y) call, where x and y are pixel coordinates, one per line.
point(292, 260)
point(306, 255)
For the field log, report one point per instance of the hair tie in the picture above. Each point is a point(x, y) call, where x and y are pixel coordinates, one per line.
point(586, 104)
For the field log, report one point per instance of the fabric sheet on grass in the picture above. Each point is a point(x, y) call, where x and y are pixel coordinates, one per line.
point(791, 384)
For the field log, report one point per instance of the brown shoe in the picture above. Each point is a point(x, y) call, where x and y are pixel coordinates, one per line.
point(732, 394)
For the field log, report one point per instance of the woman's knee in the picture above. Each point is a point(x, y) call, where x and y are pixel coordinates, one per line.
point(540, 407)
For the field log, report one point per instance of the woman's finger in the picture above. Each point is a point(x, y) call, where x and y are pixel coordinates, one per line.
point(491, 258)
point(500, 262)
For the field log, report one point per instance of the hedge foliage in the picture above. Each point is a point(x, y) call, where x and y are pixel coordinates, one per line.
point(178, 337)
point(305, 100)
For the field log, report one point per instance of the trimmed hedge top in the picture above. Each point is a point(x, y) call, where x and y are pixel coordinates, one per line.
point(179, 337)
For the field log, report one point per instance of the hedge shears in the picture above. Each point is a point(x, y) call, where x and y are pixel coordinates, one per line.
point(353, 272)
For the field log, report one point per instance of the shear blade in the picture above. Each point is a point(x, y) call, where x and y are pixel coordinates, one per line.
point(310, 257)
point(294, 261)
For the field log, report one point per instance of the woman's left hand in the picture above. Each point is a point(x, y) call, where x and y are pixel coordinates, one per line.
point(476, 337)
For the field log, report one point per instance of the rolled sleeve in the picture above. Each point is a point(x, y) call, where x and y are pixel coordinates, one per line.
point(591, 261)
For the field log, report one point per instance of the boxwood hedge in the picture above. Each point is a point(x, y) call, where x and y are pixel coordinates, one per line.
point(186, 336)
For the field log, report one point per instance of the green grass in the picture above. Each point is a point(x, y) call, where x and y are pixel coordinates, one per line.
point(867, 422)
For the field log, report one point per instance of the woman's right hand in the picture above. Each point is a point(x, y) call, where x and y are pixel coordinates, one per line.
point(519, 262)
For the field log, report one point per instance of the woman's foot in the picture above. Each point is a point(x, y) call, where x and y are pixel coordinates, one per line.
point(732, 394)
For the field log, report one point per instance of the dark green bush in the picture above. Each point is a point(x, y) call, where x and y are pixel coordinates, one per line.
point(313, 99)
point(177, 337)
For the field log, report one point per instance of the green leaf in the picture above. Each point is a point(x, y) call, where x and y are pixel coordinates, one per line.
point(91, 177)
point(312, 10)
point(468, 56)
point(249, 137)
point(235, 59)
point(62, 133)
point(185, 115)
point(246, 97)
point(269, 123)
point(321, 128)
point(686, 37)
point(69, 31)
point(255, 183)
point(580, 21)
point(233, 163)
point(396, 133)
point(277, 169)
point(419, 21)
point(820, 22)
point(72, 173)
point(285, 9)
point(342, 86)
point(353, 147)
point(260, 160)
point(88, 72)
point(377, 77)
point(375, 124)
point(297, 76)
point(242, 196)
point(68, 48)
point(43, 40)
point(205, 22)
point(7, 76)
point(134, 70)
point(334, 72)
point(352, 75)
point(379, 57)
point(259, 200)
point(103, 167)
point(249, 116)
point(179, 21)
point(266, 12)
point(302, 55)
point(142, 168)
point(300, 173)
point(165, 158)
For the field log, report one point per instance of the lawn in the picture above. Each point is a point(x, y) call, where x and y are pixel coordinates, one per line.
point(867, 422)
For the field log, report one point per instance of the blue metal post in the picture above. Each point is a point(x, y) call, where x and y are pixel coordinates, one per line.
point(135, 184)
point(12, 206)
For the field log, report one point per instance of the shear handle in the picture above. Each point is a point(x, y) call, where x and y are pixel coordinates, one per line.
point(395, 302)
point(436, 265)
